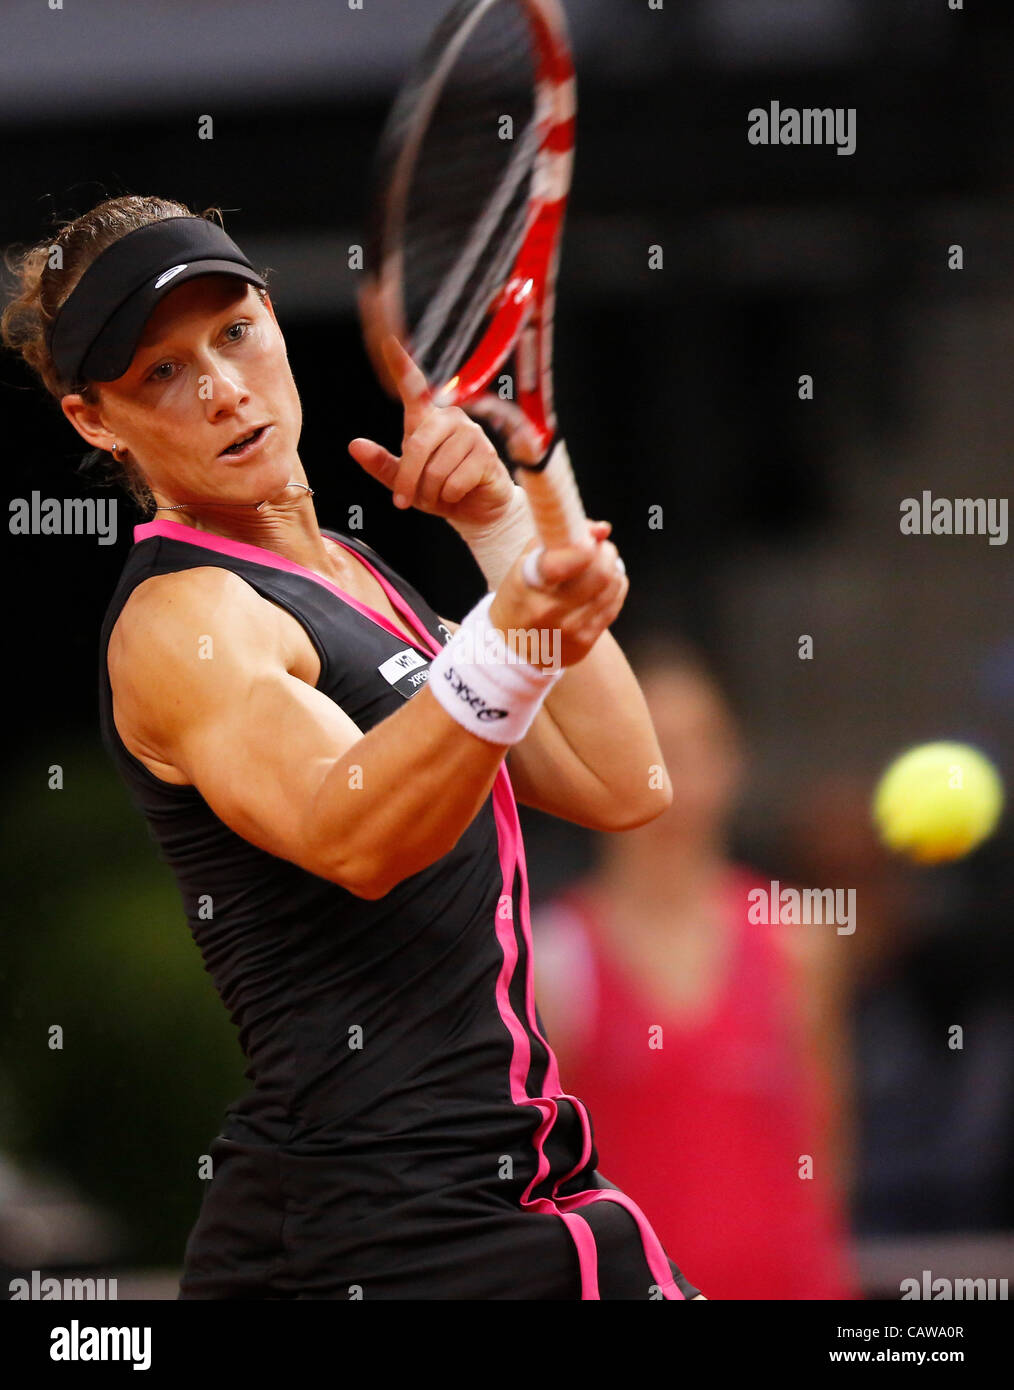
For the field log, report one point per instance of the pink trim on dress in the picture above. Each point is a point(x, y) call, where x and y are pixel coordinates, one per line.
point(257, 555)
point(511, 855)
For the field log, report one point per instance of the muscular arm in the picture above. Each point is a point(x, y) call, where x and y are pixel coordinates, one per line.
point(591, 755)
point(200, 670)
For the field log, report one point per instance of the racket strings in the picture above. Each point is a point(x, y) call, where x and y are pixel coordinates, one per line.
point(483, 264)
point(467, 202)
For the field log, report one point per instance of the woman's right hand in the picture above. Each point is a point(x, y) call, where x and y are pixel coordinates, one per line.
point(583, 590)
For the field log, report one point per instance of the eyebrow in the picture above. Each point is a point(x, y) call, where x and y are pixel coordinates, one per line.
point(146, 341)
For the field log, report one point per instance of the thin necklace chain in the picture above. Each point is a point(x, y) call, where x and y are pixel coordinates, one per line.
point(182, 506)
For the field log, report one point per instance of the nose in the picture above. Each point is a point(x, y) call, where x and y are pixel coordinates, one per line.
point(223, 389)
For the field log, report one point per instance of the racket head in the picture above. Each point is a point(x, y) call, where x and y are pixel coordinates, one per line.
point(469, 194)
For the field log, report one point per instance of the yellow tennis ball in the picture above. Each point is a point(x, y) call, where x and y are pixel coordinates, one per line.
point(937, 801)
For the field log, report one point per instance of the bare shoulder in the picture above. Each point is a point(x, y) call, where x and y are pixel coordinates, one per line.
point(169, 609)
point(161, 647)
point(182, 591)
point(207, 604)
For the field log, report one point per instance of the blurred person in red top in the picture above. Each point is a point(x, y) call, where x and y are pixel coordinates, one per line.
point(710, 1051)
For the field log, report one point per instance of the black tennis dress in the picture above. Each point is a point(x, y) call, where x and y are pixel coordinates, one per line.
point(405, 1134)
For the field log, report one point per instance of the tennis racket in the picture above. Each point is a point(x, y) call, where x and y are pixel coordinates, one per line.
point(470, 190)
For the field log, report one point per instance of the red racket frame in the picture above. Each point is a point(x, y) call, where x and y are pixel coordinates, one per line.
point(523, 317)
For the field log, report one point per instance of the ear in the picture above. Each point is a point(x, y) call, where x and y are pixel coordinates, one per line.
point(87, 420)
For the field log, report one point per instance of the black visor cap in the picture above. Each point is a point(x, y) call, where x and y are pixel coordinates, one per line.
point(96, 332)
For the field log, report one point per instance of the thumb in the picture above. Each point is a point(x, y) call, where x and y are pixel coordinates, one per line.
point(565, 562)
point(379, 462)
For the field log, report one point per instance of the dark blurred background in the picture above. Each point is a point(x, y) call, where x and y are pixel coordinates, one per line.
point(677, 387)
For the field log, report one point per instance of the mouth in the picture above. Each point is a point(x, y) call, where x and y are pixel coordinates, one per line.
point(245, 444)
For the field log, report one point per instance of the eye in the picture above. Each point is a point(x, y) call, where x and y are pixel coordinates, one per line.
point(160, 373)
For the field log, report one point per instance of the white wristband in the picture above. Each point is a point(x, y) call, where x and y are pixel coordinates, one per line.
point(485, 685)
point(495, 549)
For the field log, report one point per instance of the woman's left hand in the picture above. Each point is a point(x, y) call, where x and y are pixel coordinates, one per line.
point(447, 465)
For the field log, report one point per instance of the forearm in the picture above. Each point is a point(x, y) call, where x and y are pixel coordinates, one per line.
point(400, 798)
point(591, 756)
point(599, 709)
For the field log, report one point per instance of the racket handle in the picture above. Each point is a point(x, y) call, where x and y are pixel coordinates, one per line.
point(555, 501)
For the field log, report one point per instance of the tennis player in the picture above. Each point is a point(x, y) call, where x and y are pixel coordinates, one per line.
point(330, 769)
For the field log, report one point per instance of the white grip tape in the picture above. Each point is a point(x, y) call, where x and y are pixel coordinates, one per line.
point(484, 685)
point(556, 503)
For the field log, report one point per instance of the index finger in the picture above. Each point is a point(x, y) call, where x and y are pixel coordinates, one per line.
point(410, 379)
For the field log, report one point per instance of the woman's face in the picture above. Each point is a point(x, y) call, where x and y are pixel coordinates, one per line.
point(210, 366)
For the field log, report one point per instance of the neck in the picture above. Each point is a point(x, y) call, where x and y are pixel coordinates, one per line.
point(284, 523)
